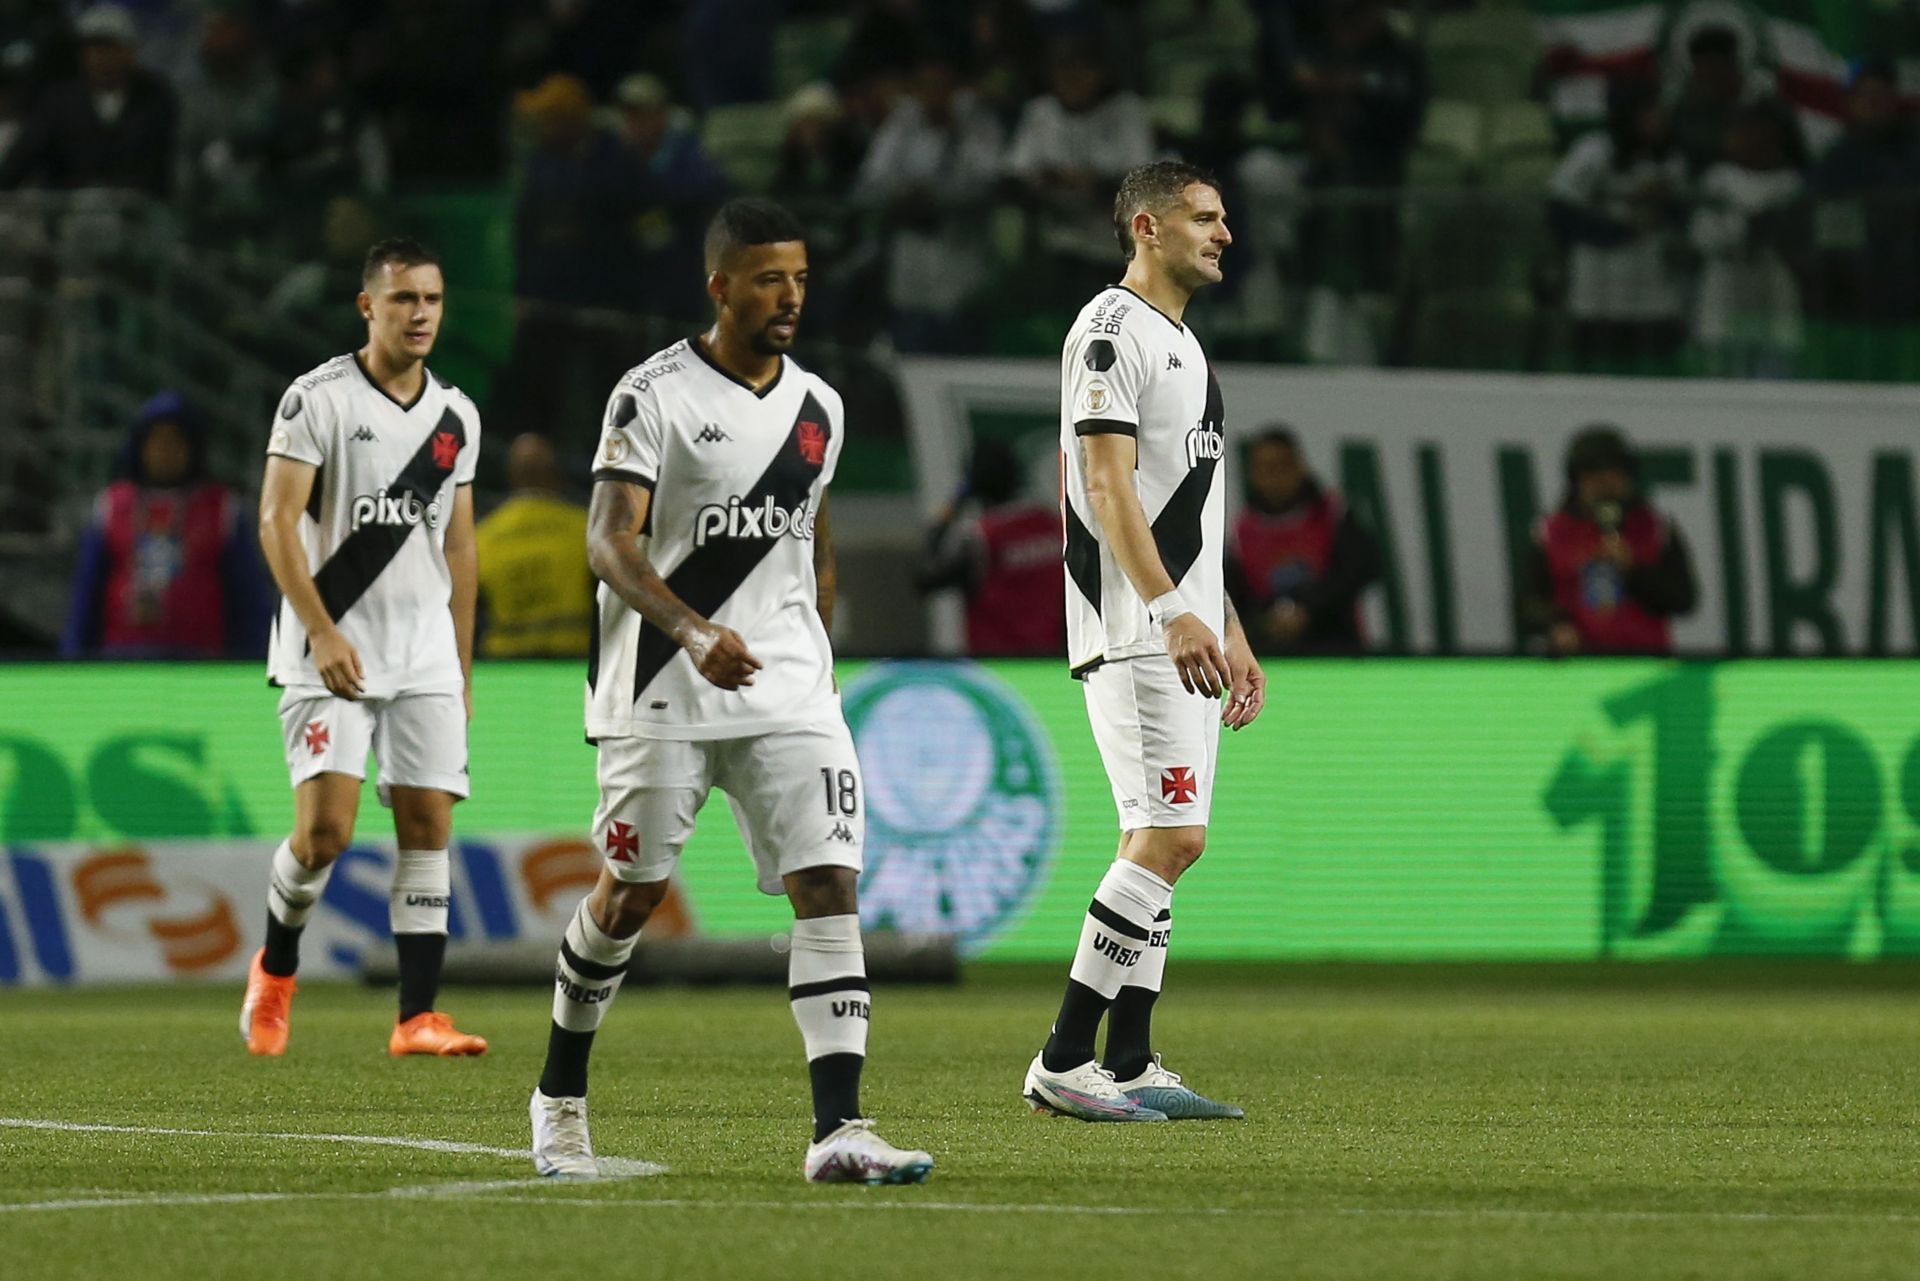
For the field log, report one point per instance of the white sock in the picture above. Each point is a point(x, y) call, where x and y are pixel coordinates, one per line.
point(422, 891)
point(592, 963)
point(1152, 970)
point(1119, 926)
point(293, 888)
point(827, 984)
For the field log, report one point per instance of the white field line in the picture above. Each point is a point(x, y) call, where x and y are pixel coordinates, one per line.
point(514, 1192)
point(612, 1167)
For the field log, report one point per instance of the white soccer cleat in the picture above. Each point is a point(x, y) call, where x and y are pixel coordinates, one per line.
point(561, 1148)
point(1087, 1093)
point(855, 1154)
point(1162, 1090)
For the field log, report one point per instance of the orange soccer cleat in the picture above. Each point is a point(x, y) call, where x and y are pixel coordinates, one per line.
point(263, 1014)
point(433, 1033)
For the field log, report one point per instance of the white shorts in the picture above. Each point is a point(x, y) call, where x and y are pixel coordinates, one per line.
point(420, 740)
point(796, 796)
point(1159, 743)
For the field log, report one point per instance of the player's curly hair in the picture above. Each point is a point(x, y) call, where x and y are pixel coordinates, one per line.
point(1154, 188)
point(401, 251)
point(748, 221)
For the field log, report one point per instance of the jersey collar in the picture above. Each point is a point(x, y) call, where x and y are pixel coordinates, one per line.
point(1156, 311)
point(700, 349)
point(425, 377)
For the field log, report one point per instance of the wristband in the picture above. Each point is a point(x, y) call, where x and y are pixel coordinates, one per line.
point(1162, 610)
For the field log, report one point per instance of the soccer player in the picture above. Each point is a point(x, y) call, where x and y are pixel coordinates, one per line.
point(1150, 632)
point(366, 517)
point(708, 532)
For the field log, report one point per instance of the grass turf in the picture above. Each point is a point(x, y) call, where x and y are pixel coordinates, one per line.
point(1507, 1123)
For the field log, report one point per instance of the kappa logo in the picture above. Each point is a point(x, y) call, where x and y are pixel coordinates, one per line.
point(1177, 785)
point(364, 434)
point(812, 441)
point(1173, 362)
point(842, 833)
point(711, 434)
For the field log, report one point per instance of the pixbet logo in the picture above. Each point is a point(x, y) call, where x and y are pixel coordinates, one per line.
point(766, 519)
point(383, 508)
point(1205, 442)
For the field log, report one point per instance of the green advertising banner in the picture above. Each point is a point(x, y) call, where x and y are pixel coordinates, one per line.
point(1405, 809)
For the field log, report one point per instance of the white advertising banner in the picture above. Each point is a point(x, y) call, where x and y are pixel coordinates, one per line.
point(1799, 501)
point(179, 910)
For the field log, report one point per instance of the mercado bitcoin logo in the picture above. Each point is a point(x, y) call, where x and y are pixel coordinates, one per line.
point(963, 799)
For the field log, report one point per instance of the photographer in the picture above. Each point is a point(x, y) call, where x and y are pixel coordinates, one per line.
point(1608, 573)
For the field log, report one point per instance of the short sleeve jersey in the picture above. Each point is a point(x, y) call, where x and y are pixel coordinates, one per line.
point(737, 477)
point(1129, 368)
point(375, 526)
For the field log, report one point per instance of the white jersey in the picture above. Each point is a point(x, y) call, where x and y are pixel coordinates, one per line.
point(376, 526)
point(1128, 368)
point(737, 478)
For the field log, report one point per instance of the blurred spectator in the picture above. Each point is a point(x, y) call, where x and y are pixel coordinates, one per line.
point(167, 567)
point(1008, 56)
point(1747, 315)
point(1297, 560)
point(1715, 87)
point(1003, 550)
point(573, 224)
point(885, 38)
point(821, 153)
point(676, 188)
point(1866, 190)
point(310, 292)
point(1616, 201)
point(13, 100)
point(931, 173)
point(727, 50)
point(536, 591)
point(324, 143)
point(1607, 573)
point(1072, 147)
point(1362, 92)
point(113, 127)
point(229, 102)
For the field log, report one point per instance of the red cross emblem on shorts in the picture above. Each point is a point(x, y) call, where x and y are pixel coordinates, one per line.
point(445, 450)
point(1177, 785)
point(622, 844)
point(812, 442)
point(317, 737)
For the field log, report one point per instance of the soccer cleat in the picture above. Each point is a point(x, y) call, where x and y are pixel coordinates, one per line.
point(1086, 1093)
point(561, 1148)
point(433, 1033)
point(263, 1012)
point(1161, 1090)
point(855, 1154)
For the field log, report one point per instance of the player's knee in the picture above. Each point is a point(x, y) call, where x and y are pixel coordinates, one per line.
point(321, 840)
point(823, 891)
point(621, 908)
point(1187, 847)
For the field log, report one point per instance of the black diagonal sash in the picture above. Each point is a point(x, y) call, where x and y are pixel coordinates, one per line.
point(711, 573)
point(1083, 556)
point(363, 554)
point(1176, 530)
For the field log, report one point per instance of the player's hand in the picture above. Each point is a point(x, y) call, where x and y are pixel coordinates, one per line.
point(1248, 692)
point(339, 664)
point(1196, 656)
point(721, 655)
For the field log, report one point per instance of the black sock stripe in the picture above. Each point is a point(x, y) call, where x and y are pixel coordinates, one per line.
point(589, 969)
point(1114, 921)
point(1166, 914)
point(850, 983)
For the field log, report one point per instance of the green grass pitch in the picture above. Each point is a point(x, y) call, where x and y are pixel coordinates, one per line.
point(1432, 1123)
